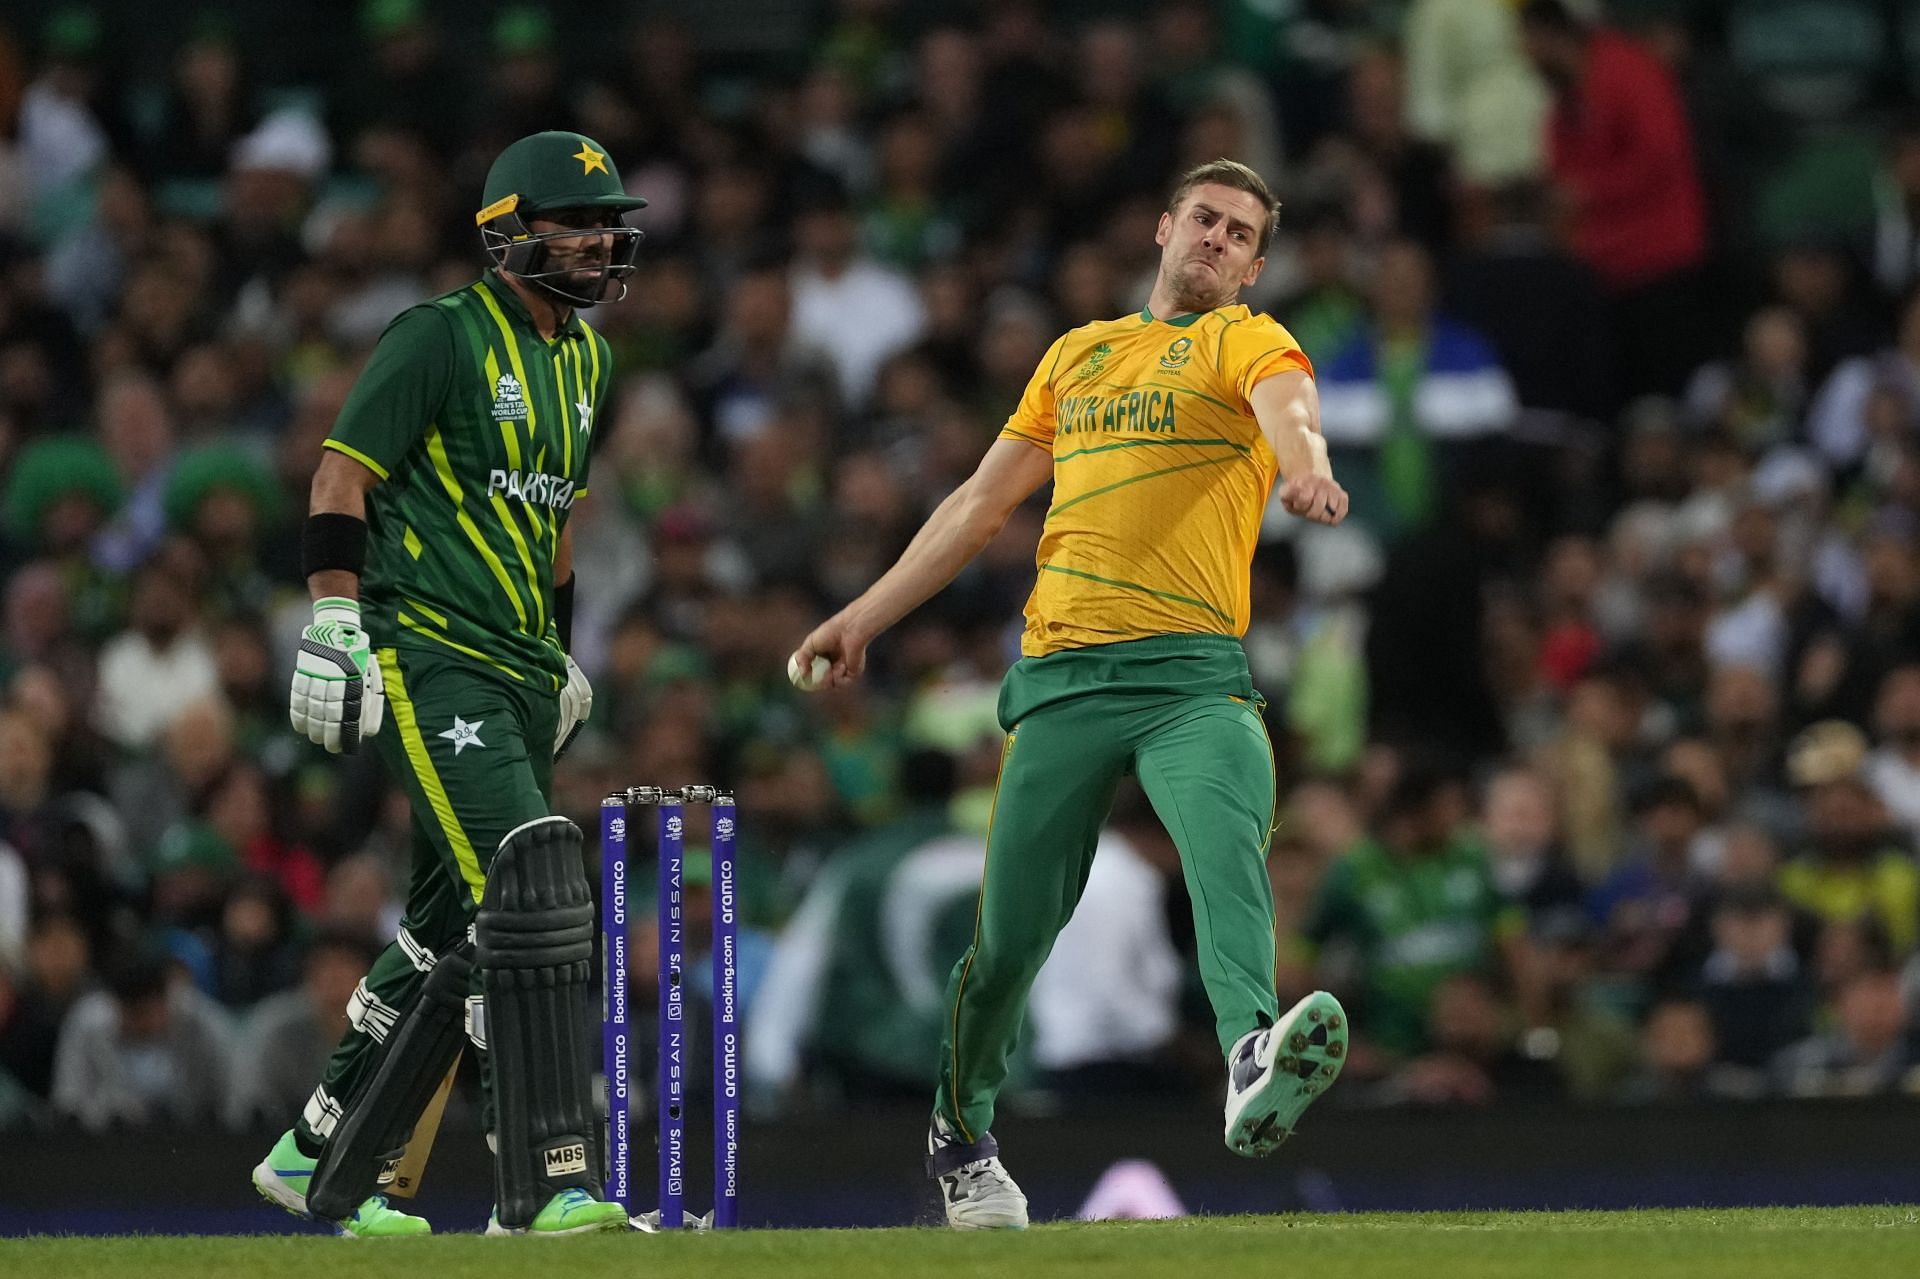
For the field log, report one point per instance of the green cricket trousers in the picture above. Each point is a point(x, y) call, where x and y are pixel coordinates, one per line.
point(1181, 714)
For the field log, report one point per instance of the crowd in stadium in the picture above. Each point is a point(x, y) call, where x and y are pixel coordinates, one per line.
point(1597, 725)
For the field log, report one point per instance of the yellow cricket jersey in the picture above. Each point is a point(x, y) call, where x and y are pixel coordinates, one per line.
point(1160, 475)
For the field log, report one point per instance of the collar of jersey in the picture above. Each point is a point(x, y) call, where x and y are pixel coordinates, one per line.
point(1146, 317)
point(504, 294)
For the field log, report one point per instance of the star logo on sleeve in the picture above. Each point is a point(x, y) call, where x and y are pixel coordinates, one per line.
point(463, 734)
point(590, 159)
point(584, 408)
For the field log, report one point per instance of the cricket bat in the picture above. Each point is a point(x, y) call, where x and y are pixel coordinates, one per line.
point(413, 1160)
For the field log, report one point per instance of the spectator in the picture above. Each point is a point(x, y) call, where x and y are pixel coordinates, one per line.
point(1871, 1048)
point(57, 972)
point(906, 225)
point(1853, 866)
point(1409, 908)
point(1742, 713)
point(26, 768)
point(876, 1034)
point(774, 517)
point(1520, 821)
point(161, 663)
point(760, 361)
point(1896, 229)
point(191, 871)
point(1196, 77)
point(1428, 677)
point(1539, 306)
point(1757, 400)
point(61, 137)
point(1130, 117)
point(137, 429)
point(250, 686)
point(1405, 395)
point(208, 108)
point(239, 808)
point(1645, 906)
point(1814, 277)
point(1474, 1060)
point(268, 190)
point(1842, 421)
point(407, 75)
point(288, 1037)
point(255, 956)
point(59, 494)
point(1621, 150)
point(1679, 1049)
point(832, 279)
point(36, 615)
point(1326, 817)
point(1590, 1044)
point(146, 1050)
point(1294, 870)
point(1753, 984)
point(225, 502)
point(732, 210)
point(526, 94)
point(361, 902)
point(1843, 952)
point(19, 1108)
point(830, 137)
point(1404, 177)
point(1325, 311)
point(1893, 769)
point(1471, 89)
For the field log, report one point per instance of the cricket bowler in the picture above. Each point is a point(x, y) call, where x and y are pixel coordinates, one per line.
point(1163, 433)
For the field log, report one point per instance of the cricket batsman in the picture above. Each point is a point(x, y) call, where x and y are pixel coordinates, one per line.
point(440, 562)
point(1163, 433)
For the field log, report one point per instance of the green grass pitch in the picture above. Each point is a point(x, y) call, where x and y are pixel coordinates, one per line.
point(1853, 1243)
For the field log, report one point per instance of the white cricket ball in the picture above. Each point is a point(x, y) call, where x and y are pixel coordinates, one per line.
point(807, 681)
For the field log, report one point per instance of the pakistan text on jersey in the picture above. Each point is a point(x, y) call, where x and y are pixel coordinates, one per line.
point(538, 488)
point(1127, 411)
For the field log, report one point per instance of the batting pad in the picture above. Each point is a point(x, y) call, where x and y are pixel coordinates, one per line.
point(378, 1118)
point(534, 953)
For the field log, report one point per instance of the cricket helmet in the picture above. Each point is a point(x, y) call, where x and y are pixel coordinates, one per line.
point(546, 173)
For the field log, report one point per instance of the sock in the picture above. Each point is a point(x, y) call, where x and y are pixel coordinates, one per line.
point(308, 1146)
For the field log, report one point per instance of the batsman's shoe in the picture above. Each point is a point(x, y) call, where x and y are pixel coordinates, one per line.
point(571, 1212)
point(1273, 1075)
point(975, 1186)
point(374, 1219)
point(282, 1178)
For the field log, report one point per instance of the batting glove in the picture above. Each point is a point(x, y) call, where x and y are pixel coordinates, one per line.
point(576, 704)
point(336, 680)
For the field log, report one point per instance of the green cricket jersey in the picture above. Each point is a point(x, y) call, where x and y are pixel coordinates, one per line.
point(479, 429)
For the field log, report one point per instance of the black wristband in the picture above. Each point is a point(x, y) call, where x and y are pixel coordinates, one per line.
point(563, 612)
point(331, 541)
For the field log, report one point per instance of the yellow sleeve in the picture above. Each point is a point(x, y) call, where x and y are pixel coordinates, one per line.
point(1255, 348)
point(1034, 420)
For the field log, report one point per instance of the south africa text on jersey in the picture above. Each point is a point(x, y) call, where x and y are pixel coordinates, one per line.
point(538, 487)
point(1127, 411)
